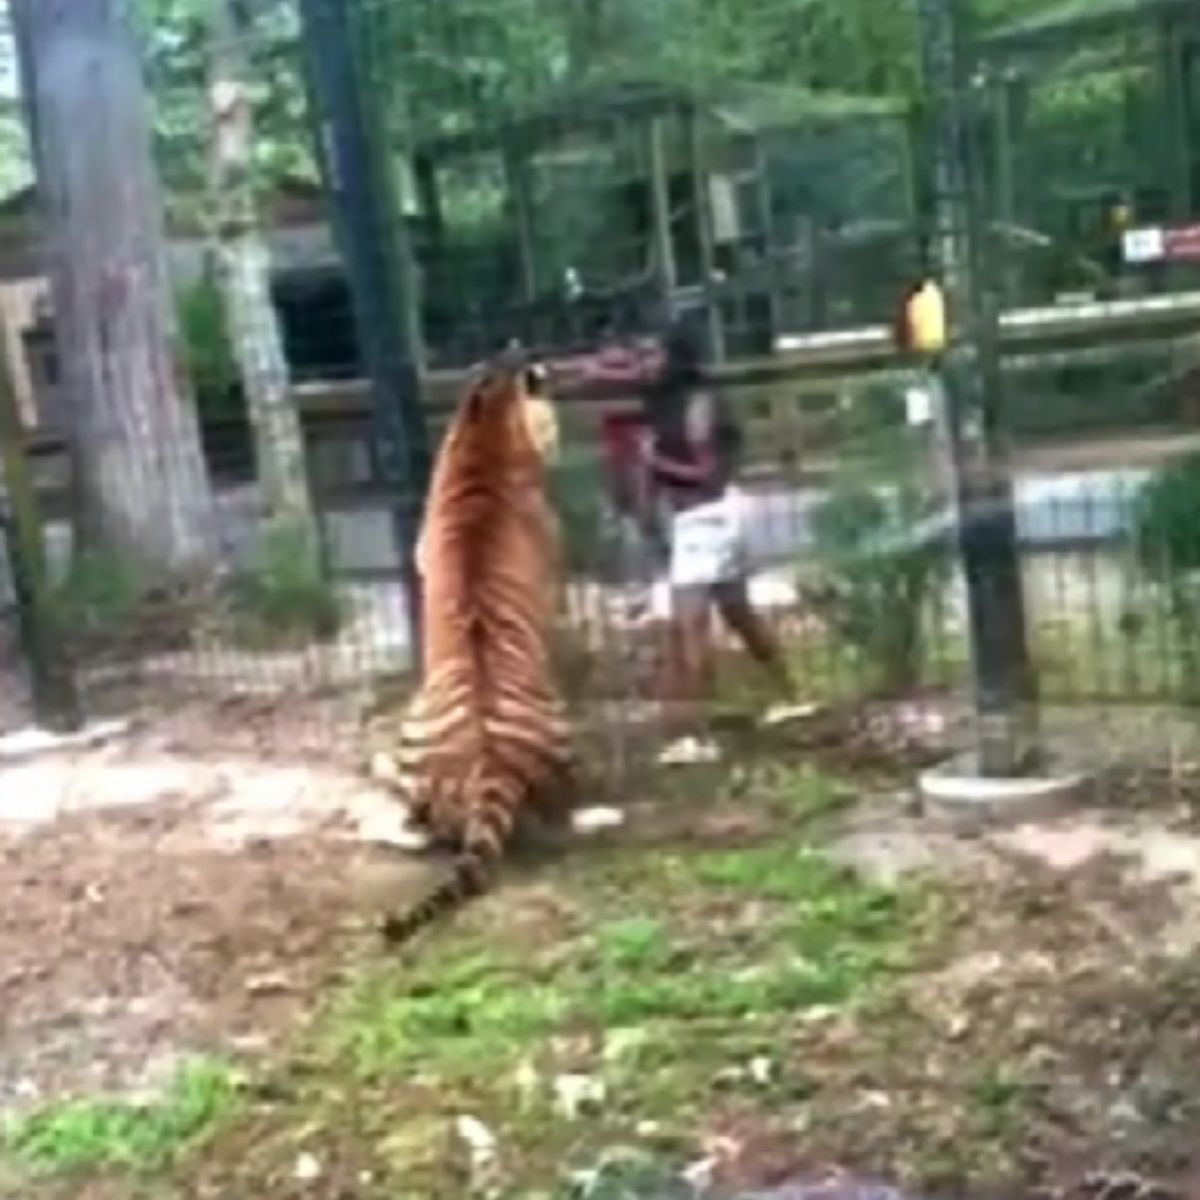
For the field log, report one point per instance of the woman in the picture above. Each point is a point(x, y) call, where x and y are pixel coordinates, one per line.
point(691, 453)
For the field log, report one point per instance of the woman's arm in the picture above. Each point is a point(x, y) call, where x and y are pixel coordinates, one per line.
point(677, 471)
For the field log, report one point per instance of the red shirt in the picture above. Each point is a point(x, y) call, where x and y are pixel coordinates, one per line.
point(620, 437)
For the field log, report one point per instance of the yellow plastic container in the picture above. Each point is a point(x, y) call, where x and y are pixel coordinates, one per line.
point(924, 319)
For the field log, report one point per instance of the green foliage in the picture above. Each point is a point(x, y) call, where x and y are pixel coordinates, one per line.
point(1166, 542)
point(101, 592)
point(174, 36)
point(16, 170)
point(207, 352)
point(628, 1175)
point(89, 1133)
point(634, 942)
point(434, 67)
point(878, 567)
point(577, 491)
point(283, 596)
point(1166, 529)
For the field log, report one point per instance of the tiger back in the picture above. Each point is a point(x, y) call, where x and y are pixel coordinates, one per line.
point(485, 739)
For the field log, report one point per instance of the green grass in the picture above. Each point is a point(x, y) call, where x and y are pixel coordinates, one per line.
point(101, 592)
point(997, 1095)
point(667, 975)
point(284, 596)
point(678, 971)
point(733, 934)
point(88, 1133)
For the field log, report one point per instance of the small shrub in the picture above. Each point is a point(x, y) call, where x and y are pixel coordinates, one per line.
point(111, 1132)
point(1166, 532)
point(283, 595)
point(206, 350)
point(878, 571)
point(101, 593)
point(578, 492)
point(1166, 543)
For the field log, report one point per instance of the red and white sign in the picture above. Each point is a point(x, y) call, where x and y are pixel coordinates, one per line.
point(1157, 244)
point(1182, 244)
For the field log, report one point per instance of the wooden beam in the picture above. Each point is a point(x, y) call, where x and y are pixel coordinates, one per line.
point(662, 245)
point(702, 202)
point(766, 216)
point(1005, 134)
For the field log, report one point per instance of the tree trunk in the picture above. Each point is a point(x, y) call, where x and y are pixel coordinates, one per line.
point(142, 486)
point(245, 274)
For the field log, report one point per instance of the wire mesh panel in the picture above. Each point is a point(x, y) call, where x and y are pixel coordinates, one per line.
point(576, 177)
point(13, 687)
point(573, 177)
point(1084, 120)
point(578, 166)
point(1087, 127)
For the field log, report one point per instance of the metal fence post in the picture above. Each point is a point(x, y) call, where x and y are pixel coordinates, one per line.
point(55, 699)
point(1004, 684)
point(370, 232)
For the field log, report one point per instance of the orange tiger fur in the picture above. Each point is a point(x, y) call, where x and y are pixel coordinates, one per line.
point(485, 739)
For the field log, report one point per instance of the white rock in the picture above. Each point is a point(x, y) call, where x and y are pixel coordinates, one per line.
point(761, 1070)
point(596, 819)
point(24, 742)
point(480, 1140)
point(575, 1093)
point(307, 1168)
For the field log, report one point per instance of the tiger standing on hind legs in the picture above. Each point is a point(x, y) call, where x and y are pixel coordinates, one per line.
point(485, 741)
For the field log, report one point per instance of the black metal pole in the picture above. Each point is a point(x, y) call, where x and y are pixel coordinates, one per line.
point(370, 232)
point(52, 683)
point(1004, 683)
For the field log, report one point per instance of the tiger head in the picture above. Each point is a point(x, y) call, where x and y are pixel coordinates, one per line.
point(541, 421)
point(515, 393)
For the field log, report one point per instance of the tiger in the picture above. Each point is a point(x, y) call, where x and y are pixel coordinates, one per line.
point(485, 741)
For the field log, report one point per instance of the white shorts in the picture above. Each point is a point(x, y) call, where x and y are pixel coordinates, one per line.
point(708, 543)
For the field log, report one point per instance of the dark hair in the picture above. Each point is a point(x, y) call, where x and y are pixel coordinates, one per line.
point(682, 370)
point(684, 356)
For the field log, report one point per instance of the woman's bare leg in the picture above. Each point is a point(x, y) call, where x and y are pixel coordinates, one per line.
point(689, 653)
point(733, 603)
point(688, 678)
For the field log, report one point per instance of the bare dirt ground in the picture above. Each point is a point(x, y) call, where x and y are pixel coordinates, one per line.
point(185, 888)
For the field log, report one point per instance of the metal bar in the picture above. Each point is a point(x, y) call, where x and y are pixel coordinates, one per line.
point(662, 242)
point(369, 230)
point(1004, 685)
point(1025, 331)
point(55, 698)
point(1175, 124)
point(698, 155)
point(1062, 31)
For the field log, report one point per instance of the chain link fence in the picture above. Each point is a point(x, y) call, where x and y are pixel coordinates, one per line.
point(569, 176)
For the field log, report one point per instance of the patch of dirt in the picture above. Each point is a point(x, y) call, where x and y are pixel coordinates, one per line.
point(174, 893)
point(121, 952)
